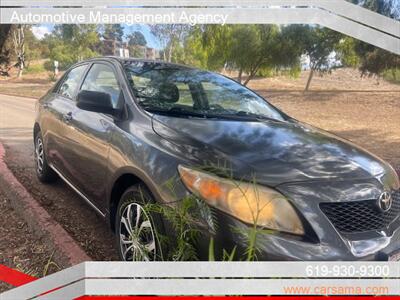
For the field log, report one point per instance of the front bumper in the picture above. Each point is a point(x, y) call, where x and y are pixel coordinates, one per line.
point(275, 246)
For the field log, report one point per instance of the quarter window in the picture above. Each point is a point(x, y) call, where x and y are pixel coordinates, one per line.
point(71, 82)
point(101, 78)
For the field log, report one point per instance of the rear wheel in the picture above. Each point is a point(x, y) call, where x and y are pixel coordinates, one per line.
point(136, 228)
point(43, 170)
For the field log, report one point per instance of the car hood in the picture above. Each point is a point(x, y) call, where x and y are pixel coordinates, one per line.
point(274, 152)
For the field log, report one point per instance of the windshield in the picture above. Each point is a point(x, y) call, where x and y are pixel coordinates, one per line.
point(161, 88)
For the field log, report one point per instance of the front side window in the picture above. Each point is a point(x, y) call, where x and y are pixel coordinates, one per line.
point(167, 88)
point(71, 81)
point(101, 78)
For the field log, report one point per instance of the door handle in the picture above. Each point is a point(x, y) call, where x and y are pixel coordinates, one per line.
point(67, 117)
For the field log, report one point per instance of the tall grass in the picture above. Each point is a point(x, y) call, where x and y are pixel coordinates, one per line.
point(392, 75)
point(35, 69)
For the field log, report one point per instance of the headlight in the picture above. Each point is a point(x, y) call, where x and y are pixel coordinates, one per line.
point(250, 203)
point(395, 178)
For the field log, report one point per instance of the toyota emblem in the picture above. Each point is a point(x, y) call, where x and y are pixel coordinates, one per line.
point(385, 201)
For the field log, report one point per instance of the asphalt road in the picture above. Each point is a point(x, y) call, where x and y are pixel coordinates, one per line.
point(16, 122)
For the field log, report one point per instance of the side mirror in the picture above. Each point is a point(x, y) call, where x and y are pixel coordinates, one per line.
point(95, 101)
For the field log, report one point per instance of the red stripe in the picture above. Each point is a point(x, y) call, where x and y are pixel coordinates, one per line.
point(237, 297)
point(14, 277)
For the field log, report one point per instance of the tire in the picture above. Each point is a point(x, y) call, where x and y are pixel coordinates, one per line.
point(142, 242)
point(43, 171)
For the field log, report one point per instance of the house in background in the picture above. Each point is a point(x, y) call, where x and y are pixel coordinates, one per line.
point(139, 51)
point(123, 49)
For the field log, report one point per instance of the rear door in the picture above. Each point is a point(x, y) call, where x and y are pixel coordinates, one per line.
point(92, 135)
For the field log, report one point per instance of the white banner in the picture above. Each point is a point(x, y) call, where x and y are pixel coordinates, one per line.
point(215, 278)
point(338, 15)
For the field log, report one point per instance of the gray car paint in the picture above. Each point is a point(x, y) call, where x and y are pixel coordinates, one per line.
point(308, 165)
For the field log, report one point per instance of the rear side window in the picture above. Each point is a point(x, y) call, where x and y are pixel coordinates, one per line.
point(71, 82)
point(101, 78)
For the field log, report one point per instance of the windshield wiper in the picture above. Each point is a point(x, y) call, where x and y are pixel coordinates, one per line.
point(244, 115)
point(176, 111)
point(181, 112)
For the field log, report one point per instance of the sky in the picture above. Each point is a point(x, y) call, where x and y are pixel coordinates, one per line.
point(40, 30)
point(151, 40)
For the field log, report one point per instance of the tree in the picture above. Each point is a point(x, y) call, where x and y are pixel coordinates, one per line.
point(346, 53)
point(179, 55)
point(250, 49)
point(137, 44)
point(217, 41)
point(374, 61)
point(33, 47)
point(193, 52)
point(137, 51)
point(246, 51)
point(168, 35)
point(136, 38)
point(112, 37)
point(113, 32)
point(19, 47)
point(70, 43)
point(318, 44)
point(5, 53)
point(5, 31)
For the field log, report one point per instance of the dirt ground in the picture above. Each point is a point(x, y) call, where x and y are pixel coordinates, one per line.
point(67, 208)
point(35, 85)
point(32, 85)
point(339, 80)
point(20, 249)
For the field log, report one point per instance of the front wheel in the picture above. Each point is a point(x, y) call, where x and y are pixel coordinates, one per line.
point(136, 234)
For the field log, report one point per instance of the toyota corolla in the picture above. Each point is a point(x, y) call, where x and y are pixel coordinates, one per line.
point(116, 130)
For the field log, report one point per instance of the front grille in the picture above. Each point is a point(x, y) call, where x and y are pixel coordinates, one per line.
point(361, 216)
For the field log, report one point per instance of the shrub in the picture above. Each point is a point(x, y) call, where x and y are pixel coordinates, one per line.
point(35, 68)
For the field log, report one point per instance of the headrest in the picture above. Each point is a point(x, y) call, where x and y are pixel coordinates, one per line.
point(168, 92)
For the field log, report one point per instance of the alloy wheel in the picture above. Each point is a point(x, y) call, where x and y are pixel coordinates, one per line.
point(39, 155)
point(137, 238)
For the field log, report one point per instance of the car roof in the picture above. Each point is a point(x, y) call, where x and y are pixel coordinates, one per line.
point(124, 60)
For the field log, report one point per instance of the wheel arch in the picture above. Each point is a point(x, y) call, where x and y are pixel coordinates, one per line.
point(122, 181)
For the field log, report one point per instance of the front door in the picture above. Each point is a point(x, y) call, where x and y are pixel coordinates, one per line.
point(92, 135)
